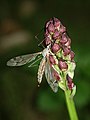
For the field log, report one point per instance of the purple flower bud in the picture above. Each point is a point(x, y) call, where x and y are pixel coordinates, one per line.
point(56, 75)
point(64, 38)
point(56, 34)
point(46, 34)
point(63, 65)
point(51, 28)
point(72, 54)
point(68, 42)
point(70, 82)
point(62, 29)
point(56, 22)
point(49, 22)
point(47, 41)
point(55, 48)
point(66, 51)
point(52, 60)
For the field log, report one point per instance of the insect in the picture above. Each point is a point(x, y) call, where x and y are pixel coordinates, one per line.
point(43, 67)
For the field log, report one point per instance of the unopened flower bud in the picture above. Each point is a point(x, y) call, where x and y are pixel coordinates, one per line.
point(51, 28)
point(48, 23)
point(70, 82)
point(52, 60)
point(72, 54)
point(47, 41)
point(68, 42)
point(63, 65)
point(62, 29)
point(56, 75)
point(66, 51)
point(64, 38)
point(55, 48)
point(46, 33)
point(56, 34)
point(56, 22)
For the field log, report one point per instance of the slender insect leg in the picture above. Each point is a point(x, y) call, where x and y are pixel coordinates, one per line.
point(34, 62)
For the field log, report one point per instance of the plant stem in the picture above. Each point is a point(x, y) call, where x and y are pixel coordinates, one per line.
point(70, 106)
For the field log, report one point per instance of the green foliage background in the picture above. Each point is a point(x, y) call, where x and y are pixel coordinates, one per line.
point(20, 97)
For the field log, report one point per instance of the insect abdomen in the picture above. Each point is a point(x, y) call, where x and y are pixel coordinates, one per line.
point(41, 70)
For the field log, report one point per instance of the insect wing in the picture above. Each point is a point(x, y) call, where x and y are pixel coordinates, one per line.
point(23, 59)
point(51, 81)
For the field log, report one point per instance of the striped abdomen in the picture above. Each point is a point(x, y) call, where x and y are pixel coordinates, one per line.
point(41, 70)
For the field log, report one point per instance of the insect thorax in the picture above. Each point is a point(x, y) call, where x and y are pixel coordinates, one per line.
point(46, 51)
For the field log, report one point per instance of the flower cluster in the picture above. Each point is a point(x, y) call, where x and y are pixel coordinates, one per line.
point(61, 57)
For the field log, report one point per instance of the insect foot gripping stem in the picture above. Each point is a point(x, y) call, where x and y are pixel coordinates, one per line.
point(56, 36)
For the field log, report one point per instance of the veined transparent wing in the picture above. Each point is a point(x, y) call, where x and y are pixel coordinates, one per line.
point(51, 81)
point(23, 59)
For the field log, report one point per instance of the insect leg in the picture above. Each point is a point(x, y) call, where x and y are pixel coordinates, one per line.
point(34, 62)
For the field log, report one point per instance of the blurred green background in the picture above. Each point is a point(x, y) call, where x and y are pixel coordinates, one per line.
point(20, 21)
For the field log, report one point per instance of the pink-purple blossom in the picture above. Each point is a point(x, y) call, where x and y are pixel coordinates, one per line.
point(60, 45)
point(55, 47)
point(63, 65)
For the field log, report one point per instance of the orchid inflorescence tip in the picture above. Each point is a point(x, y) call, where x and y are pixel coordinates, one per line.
point(62, 58)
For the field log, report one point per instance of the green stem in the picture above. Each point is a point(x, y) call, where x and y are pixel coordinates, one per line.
point(70, 106)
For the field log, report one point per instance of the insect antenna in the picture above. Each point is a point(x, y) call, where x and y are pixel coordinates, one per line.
point(36, 36)
point(41, 43)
